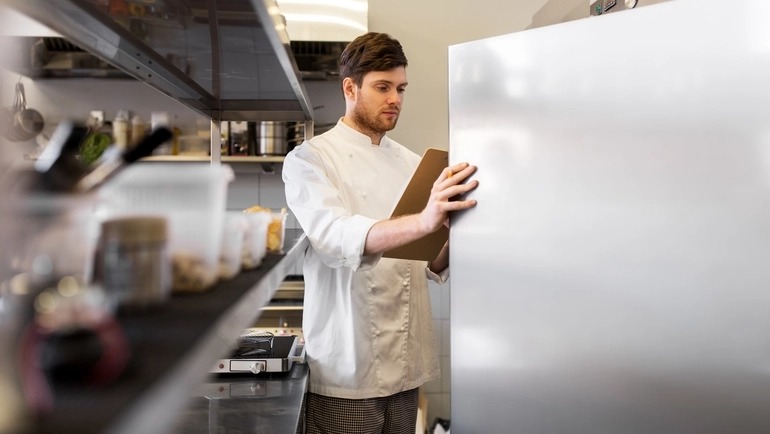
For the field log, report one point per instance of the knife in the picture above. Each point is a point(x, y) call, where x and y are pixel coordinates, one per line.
point(58, 166)
point(112, 165)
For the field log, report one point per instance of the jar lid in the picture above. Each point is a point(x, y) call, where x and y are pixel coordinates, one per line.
point(144, 229)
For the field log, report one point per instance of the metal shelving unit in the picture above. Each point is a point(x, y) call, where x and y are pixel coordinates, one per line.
point(229, 60)
point(224, 159)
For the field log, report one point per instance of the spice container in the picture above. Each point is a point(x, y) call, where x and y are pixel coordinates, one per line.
point(132, 261)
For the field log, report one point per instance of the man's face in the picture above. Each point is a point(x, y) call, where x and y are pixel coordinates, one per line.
point(378, 101)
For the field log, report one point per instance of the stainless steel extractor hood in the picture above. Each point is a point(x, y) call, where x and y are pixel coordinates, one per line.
point(318, 33)
point(227, 59)
point(41, 57)
point(56, 57)
point(318, 60)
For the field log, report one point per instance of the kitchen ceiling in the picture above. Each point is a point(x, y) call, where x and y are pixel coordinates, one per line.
point(325, 20)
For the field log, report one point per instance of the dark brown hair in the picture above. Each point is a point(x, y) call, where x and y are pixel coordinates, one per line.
point(370, 52)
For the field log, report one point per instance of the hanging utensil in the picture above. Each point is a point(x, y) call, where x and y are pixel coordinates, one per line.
point(26, 122)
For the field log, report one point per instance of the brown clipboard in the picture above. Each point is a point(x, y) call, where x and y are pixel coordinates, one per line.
point(414, 199)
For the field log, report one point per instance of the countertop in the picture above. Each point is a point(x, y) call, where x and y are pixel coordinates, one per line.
point(173, 348)
point(254, 404)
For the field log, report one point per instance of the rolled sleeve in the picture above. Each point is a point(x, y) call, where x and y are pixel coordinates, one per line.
point(439, 278)
point(337, 236)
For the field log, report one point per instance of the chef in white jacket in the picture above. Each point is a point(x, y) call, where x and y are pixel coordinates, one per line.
point(367, 319)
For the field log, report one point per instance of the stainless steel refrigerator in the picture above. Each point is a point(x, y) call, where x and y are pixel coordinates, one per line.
point(615, 275)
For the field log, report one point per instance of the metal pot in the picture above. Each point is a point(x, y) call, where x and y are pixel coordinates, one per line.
point(23, 123)
point(295, 135)
point(271, 138)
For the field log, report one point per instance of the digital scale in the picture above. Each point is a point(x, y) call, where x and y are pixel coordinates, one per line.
point(258, 351)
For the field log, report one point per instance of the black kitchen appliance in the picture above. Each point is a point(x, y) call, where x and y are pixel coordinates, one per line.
point(258, 351)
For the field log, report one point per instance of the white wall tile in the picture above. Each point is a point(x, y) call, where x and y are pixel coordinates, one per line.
point(243, 192)
point(438, 406)
point(432, 387)
point(446, 377)
point(445, 296)
point(271, 191)
point(445, 337)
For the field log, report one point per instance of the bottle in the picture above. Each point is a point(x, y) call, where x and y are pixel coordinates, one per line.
point(138, 129)
point(160, 119)
point(120, 130)
point(175, 140)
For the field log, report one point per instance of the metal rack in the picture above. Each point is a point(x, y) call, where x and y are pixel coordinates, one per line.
point(230, 60)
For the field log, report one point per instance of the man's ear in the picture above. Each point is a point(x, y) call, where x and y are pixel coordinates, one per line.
point(349, 88)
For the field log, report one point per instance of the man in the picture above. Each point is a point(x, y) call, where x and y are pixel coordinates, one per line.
point(367, 320)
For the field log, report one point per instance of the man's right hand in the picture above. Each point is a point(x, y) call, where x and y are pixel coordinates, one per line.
point(448, 185)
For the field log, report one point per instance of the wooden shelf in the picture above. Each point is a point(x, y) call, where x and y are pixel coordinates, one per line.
point(225, 159)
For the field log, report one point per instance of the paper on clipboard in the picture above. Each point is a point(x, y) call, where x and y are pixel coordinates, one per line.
point(414, 199)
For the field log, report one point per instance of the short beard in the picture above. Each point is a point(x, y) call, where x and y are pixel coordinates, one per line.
point(369, 124)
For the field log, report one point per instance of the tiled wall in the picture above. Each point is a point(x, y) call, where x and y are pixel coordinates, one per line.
point(437, 391)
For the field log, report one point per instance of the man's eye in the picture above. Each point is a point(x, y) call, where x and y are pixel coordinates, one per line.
point(401, 89)
point(382, 88)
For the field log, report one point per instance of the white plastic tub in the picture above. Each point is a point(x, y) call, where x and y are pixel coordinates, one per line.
point(192, 197)
point(255, 239)
point(231, 254)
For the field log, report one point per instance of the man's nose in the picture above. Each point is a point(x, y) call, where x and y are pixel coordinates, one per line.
point(394, 97)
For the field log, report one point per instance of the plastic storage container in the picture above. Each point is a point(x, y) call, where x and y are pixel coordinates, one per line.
point(230, 255)
point(192, 197)
point(276, 231)
point(255, 239)
point(59, 227)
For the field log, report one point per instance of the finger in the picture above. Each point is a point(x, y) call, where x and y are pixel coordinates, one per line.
point(457, 205)
point(457, 168)
point(455, 174)
point(457, 190)
point(447, 173)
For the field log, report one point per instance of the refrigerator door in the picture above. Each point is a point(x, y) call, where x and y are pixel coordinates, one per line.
point(616, 271)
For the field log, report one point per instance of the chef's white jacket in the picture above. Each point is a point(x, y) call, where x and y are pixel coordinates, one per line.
point(367, 320)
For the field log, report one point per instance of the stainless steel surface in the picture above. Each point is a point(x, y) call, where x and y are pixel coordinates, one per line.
point(157, 409)
point(227, 59)
point(223, 159)
point(260, 405)
point(285, 351)
point(614, 276)
point(271, 138)
point(41, 57)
